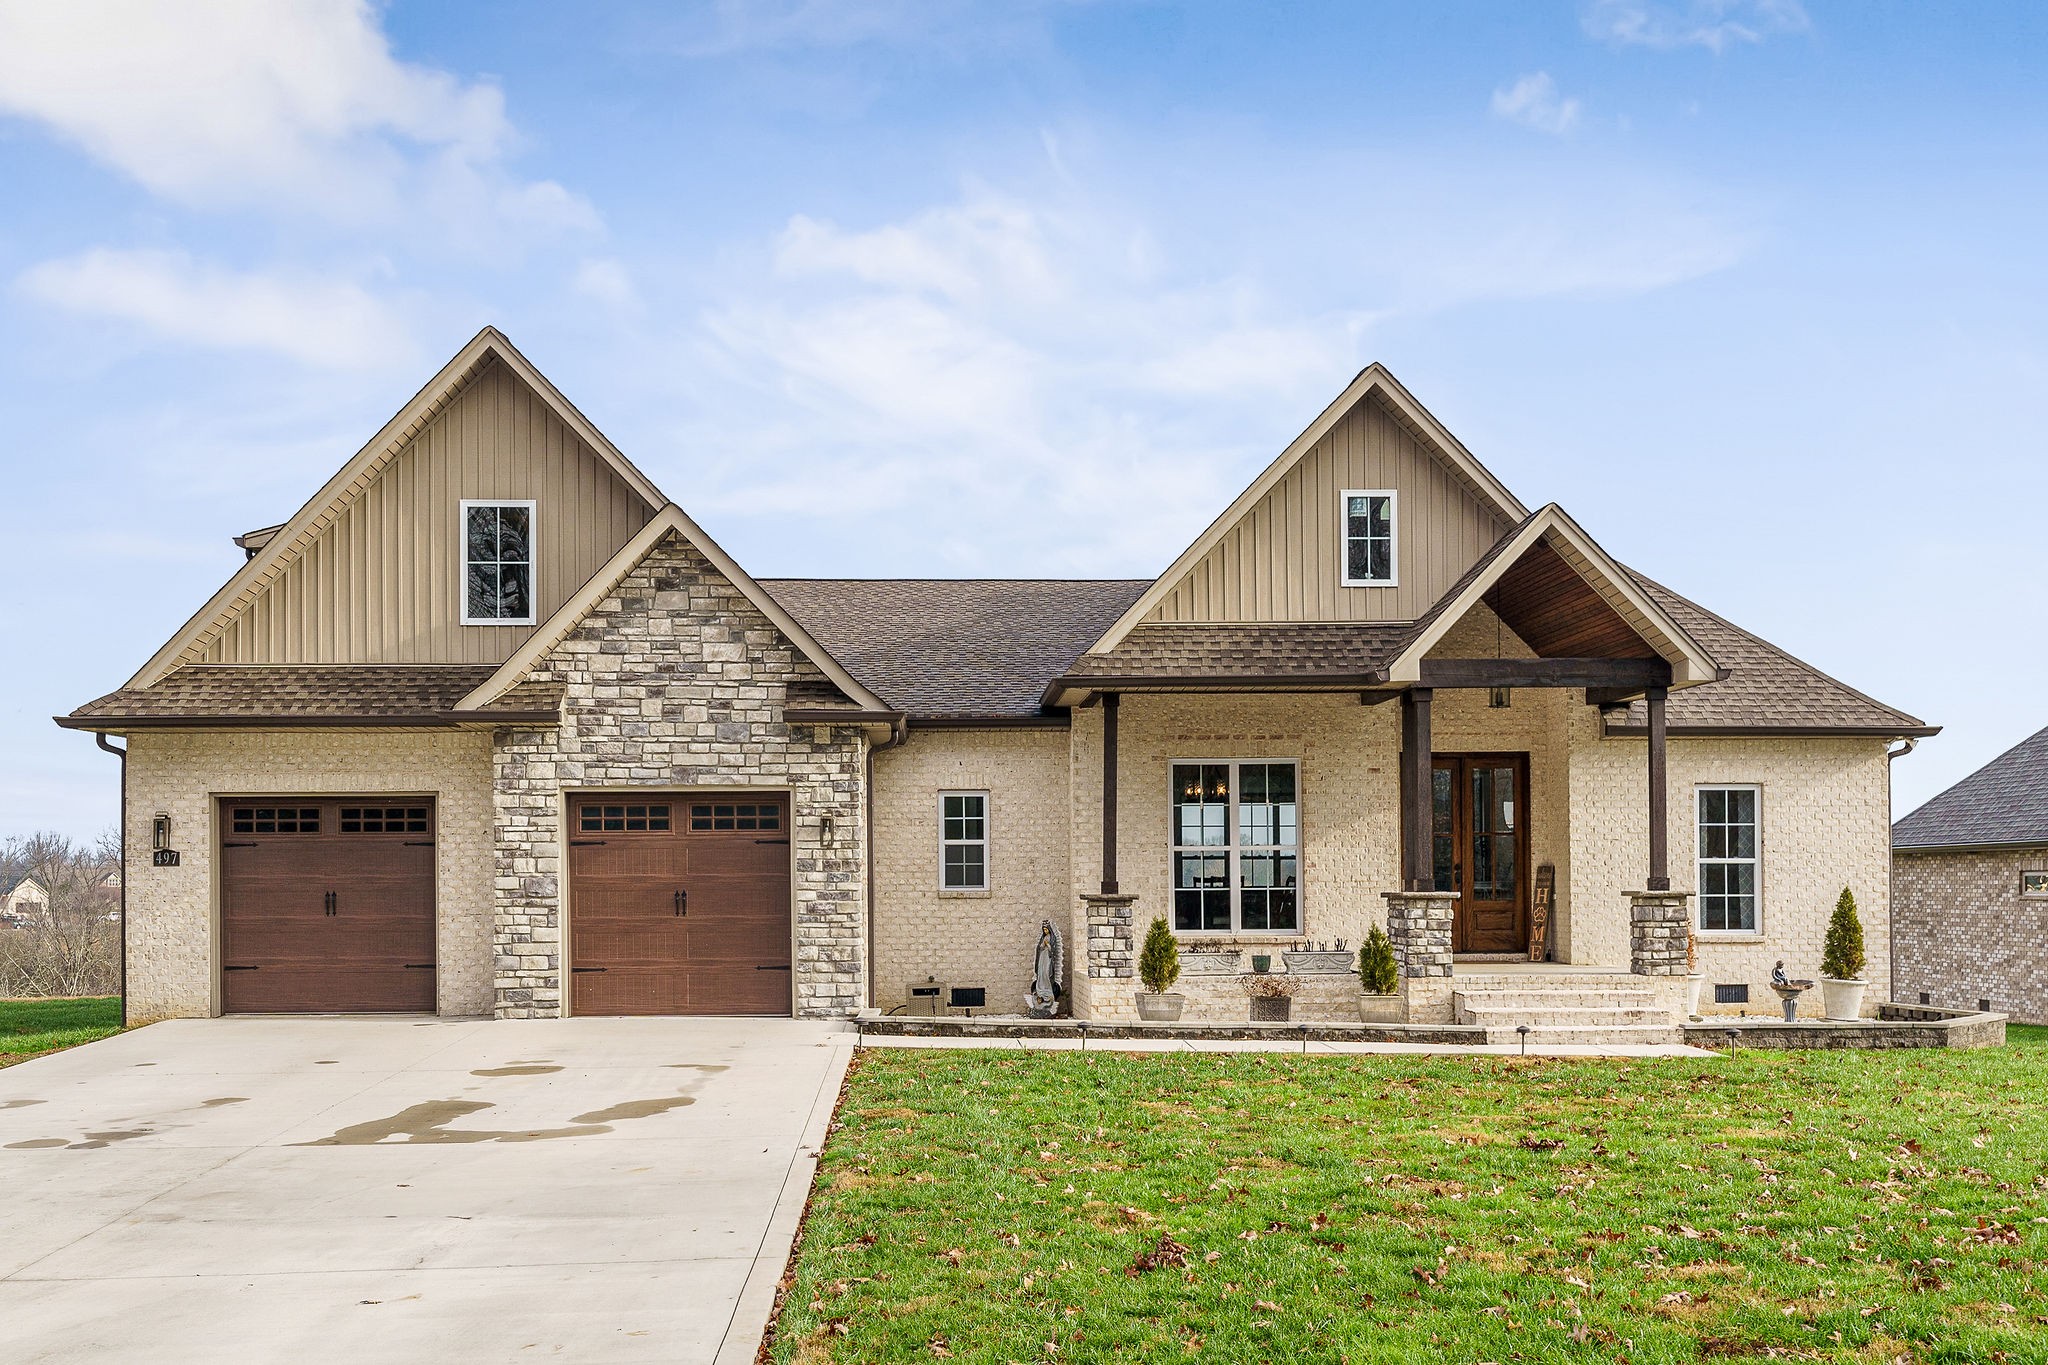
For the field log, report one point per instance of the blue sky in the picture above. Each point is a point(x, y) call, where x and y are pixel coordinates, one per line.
point(1754, 288)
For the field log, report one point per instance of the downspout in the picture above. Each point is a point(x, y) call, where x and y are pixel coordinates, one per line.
point(1891, 919)
point(899, 732)
point(121, 754)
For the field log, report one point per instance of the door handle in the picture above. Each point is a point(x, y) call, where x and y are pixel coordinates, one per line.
point(333, 902)
point(682, 904)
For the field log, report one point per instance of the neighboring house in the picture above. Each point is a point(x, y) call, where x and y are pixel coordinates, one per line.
point(491, 726)
point(1970, 890)
point(23, 899)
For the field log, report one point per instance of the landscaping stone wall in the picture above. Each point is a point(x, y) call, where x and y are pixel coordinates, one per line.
point(172, 962)
point(675, 681)
point(1964, 933)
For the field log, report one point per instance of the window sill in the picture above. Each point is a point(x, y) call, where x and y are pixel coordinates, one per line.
point(1223, 938)
point(1730, 936)
point(964, 894)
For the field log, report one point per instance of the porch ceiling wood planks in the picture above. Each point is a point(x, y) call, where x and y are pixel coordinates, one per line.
point(1543, 599)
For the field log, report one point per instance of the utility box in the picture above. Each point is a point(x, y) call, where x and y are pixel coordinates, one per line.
point(925, 997)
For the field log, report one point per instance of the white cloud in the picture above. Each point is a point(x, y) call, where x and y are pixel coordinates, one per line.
point(607, 281)
point(1713, 24)
point(1533, 102)
point(315, 321)
point(728, 27)
point(279, 105)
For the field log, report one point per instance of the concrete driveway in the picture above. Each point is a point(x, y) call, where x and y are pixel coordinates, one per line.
point(412, 1190)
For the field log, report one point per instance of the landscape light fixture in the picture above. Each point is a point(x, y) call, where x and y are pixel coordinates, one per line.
point(1523, 1029)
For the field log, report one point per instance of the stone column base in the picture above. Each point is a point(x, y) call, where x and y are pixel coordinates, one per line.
point(1106, 962)
point(1419, 923)
point(1659, 928)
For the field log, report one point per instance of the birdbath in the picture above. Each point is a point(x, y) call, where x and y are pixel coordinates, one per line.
point(1788, 991)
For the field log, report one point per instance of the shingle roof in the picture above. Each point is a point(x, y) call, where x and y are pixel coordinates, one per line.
point(1276, 650)
point(956, 648)
point(2003, 802)
point(314, 692)
point(1766, 688)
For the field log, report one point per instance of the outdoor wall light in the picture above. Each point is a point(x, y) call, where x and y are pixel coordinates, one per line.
point(825, 828)
point(160, 831)
point(1500, 698)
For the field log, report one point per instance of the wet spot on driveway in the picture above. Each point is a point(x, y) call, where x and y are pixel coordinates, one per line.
point(517, 1069)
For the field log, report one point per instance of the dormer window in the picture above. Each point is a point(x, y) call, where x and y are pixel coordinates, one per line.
point(497, 563)
point(1369, 538)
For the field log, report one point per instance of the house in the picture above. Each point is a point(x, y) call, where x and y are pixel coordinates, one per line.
point(490, 725)
point(23, 899)
point(1970, 890)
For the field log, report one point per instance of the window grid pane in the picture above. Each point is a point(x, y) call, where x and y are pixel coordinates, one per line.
point(1236, 836)
point(963, 841)
point(1727, 857)
point(1369, 538)
point(498, 562)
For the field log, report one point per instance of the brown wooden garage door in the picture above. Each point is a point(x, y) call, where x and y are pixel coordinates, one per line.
point(326, 903)
point(679, 905)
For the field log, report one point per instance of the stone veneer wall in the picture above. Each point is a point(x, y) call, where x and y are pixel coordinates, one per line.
point(1826, 823)
point(969, 938)
point(675, 682)
point(172, 964)
point(1963, 933)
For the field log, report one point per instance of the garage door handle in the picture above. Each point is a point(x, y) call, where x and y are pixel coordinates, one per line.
point(771, 841)
point(584, 843)
point(238, 843)
point(419, 843)
point(783, 968)
point(232, 968)
point(590, 969)
point(419, 966)
point(682, 904)
point(333, 902)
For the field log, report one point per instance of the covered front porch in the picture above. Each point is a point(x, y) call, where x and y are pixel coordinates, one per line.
point(1451, 783)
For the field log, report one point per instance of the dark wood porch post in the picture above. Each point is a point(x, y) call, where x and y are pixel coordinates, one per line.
point(1417, 806)
point(1660, 854)
point(1109, 709)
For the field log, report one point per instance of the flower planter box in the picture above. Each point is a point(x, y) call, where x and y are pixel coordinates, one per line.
point(1271, 1009)
point(1308, 963)
point(1380, 1009)
point(1211, 964)
point(1159, 1009)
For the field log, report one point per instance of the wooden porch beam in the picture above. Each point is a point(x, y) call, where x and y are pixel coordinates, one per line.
point(1660, 832)
point(1416, 790)
point(1110, 704)
point(1631, 674)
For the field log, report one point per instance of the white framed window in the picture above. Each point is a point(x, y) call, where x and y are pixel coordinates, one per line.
point(497, 563)
point(1728, 857)
point(2034, 885)
point(963, 841)
point(1236, 846)
point(1369, 536)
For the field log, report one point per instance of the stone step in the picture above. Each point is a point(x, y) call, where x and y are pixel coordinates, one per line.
point(1590, 1016)
point(1615, 1035)
point(1539, 1001)
point(1544, 981)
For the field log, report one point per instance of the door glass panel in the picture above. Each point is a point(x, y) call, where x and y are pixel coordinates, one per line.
point(1442, 843)
point(1493, 833)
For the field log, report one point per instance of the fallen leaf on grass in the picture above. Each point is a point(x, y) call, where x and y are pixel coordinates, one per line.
point(1537, 1144)
point(1265, 1306)
point(1166, 1253)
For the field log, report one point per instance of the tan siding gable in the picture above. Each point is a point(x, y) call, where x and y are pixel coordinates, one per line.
point(1283, 561)
point(380, 582)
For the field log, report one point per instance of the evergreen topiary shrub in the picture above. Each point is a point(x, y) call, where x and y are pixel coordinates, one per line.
point(1159, 959)
point(1377, 972)
point(1841, 957)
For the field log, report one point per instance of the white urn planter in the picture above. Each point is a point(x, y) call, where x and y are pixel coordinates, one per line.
point(1695, 986)
point(1379, 1009)
point(1842, 999)
point(1158, 1009)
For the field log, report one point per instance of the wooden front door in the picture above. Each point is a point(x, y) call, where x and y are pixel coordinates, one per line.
point(1480, 848)
point(326, 904)
point(679, 905)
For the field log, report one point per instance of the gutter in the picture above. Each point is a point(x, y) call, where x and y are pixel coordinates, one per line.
point(122, 754)
point(1610, 731)
point(440, 720)
point(899, 732)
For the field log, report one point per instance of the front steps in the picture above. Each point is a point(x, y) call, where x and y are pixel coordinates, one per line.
point(1586, 1009)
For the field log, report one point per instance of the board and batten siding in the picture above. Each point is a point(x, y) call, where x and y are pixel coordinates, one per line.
point(1283, 560)
point(383, 582)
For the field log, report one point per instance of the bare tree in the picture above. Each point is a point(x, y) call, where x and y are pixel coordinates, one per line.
point(75, 947)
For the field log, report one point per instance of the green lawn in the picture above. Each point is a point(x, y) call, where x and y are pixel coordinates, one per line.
point(996, 1206)
point(29, 1028)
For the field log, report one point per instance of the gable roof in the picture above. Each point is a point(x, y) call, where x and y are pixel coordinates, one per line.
point(1551, 526)
point(2003, 802)
point(269, 554)
point(957, 649)
point(1376, 383)
point(294, 695)
point(671, 519)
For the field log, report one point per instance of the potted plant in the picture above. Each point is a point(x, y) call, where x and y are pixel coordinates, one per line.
point(1695, 979)
point(1159, 968)
point(1841, 963)
point(1272, 996)
point(1378, 980)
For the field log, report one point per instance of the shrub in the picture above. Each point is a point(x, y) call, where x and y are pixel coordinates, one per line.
point(1377, 972)
point(1842, 955)
point(1159, 959)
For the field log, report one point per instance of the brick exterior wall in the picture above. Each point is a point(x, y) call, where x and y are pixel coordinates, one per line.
point(1825, 818)
point(675, 681)
point(1963, 933)
point(172, 964)
point(969, 938)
